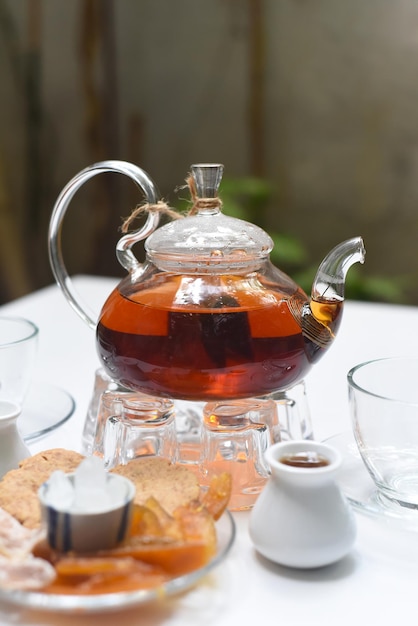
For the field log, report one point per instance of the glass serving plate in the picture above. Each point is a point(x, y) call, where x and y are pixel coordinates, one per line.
point(225, 529)
point(359, 488)
point(46, 407)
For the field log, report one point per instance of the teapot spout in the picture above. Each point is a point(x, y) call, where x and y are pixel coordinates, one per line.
point(320, 318)
point(329, 282)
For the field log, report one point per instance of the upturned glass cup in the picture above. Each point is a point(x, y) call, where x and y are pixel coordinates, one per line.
point(293, 414)
point(140, 426)
point(93, 423)
point(235, 437)
point(383, 400)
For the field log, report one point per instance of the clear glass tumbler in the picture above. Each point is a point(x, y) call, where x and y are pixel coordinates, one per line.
point(18, 350)
point(383, 399)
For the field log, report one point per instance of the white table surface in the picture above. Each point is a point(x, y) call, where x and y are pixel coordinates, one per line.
point(377, 581)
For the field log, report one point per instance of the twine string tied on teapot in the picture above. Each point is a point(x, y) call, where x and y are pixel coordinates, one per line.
point(162, 207)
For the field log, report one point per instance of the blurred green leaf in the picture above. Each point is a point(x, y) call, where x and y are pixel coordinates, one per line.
point(288, 249)
point(375, 288)
point(248, 188)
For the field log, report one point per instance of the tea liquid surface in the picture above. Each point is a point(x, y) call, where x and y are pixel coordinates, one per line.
point(305, 460)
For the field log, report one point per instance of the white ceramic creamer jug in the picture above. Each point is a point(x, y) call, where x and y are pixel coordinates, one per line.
point(301, 518)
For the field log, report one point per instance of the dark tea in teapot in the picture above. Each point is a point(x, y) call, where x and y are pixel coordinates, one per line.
point(222, 346)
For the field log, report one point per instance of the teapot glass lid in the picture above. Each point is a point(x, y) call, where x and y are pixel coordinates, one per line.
point(207, 240)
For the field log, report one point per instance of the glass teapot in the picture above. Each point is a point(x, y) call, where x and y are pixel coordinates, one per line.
point(207, 315)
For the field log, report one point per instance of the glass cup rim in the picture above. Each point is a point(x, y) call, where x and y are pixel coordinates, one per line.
point(358, 387)
point(33, 329)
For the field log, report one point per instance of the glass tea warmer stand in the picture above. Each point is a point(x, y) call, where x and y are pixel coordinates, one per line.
point(208, 323)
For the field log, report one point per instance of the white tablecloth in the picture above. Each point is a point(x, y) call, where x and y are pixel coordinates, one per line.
point(376, 582)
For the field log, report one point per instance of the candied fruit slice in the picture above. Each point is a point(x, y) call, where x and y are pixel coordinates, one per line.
point(175, 558)
point(88, 566)
point(145, 522)
point(89, 576)
point(170, 526)
point(216, 498)
point(197, 525)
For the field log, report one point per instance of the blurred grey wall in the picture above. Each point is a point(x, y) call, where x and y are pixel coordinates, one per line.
point(330, 107)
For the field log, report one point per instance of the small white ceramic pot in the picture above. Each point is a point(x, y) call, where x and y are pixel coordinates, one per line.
point(78, 531)
point(301, 519)
point(12, 447)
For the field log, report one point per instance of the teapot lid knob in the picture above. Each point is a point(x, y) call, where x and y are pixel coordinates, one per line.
point(207, 178)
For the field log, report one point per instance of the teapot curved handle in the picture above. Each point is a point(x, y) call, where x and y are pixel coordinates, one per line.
point(123, 249)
